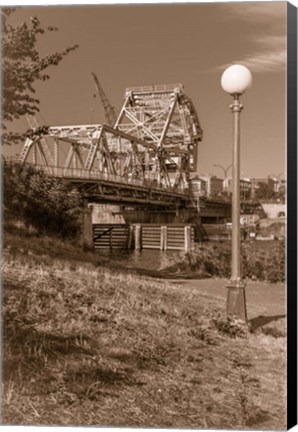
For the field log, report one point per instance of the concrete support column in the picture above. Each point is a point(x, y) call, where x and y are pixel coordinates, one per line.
point(87, 228)
point(163, 238)
point(138, 240)
point(130, 236)
point(187, 238)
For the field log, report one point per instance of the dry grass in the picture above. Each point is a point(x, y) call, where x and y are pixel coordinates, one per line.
point(84, 345)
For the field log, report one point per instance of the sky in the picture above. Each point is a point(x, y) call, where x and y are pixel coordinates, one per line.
point(193, 43)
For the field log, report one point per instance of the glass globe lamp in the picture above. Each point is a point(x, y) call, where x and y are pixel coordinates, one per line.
point(236, 79)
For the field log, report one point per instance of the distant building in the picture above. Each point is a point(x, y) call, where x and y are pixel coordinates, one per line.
point(283, 185)
point(255, 183)
point(245, 188)
point(274, 210)
point(198, 186)
point(214, 185)
point(267, 180)
point(279, 184)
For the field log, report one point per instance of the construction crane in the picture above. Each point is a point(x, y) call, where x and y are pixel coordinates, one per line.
point(109, 110)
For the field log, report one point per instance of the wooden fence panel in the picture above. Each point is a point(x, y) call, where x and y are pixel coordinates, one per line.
point(110, 236)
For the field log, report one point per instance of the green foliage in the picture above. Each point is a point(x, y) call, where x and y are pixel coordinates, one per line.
point(228, 326)
point(264, 263)
point(22, 66)
point(213, 259)
point(281, 194)
point(47, 204)
point(259, 261)
point(265, 191)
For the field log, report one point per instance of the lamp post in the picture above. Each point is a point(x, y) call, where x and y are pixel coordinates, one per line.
point(236, 80)
point(225, 170)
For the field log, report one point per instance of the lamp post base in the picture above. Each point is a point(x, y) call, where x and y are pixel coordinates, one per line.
point(236, 301)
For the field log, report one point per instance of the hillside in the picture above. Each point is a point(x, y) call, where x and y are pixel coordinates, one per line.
point(87, 345)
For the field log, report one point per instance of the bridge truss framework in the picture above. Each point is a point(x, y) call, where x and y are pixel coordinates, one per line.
point(154, 141)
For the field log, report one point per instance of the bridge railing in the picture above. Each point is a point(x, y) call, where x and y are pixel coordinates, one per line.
point(80, 173)
point(86, 174)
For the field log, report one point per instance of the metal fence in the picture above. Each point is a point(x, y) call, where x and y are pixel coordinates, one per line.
point(80, 173)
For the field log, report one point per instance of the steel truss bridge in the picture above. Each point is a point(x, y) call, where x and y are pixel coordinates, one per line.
point(145, 158)
point(103, 187)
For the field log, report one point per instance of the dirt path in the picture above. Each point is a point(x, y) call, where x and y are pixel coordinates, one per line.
point(266, 302)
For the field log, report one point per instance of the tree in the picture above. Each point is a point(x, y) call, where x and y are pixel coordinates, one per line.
point(281, 194)
point(49, 205)
point(22, 66)
point(265, 191)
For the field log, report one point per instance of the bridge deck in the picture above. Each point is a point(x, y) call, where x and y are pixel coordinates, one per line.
point(103, 187)
point(107, 187)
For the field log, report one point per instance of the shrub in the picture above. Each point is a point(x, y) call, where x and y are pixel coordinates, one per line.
point(259, 262)
point(264, 263)
point(47, 204)
point(211, 259)
point(229, 326)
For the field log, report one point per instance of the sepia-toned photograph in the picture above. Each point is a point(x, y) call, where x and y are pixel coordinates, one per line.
point(144, 221)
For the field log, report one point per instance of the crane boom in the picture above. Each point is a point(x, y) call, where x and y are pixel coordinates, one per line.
point(109, 110)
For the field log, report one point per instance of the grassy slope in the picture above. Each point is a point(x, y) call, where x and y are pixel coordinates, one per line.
point(86, 345)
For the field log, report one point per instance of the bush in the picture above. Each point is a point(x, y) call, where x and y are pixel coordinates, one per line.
point(49, 205)
point(264, 263)
point(213, 259)
point(259, 262)
point(229, 326)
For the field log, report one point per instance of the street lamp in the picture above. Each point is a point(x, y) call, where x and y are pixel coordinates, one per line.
point(236, 80)
point(225, 170)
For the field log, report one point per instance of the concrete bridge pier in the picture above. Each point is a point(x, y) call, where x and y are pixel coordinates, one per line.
point(138, 237)
point(187, 238)
point(86, 238)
